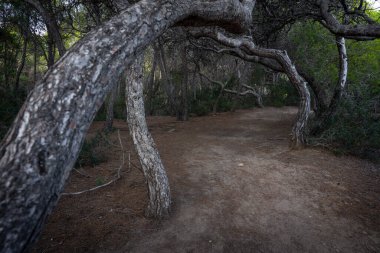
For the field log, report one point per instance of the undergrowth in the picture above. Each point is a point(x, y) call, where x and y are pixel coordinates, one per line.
point(93, 151)
point(355, 128)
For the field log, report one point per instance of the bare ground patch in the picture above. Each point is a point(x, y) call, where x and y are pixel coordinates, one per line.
point(237, 187)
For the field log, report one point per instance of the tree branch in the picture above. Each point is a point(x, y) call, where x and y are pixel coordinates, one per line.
point(357, 31)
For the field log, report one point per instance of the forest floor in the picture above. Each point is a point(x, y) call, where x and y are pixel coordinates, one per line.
point(236, 186)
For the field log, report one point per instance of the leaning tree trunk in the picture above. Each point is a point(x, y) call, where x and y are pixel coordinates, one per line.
point(154, 171)
point(299, 128)
point(41, 147)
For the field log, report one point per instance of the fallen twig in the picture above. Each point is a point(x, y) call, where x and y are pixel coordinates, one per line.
point(81, 173)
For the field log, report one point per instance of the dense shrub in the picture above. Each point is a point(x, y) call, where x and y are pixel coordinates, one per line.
point(355, 128)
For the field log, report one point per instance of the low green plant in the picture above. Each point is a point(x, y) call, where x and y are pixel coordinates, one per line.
point(281, 94)
point(93, 151)
point(201, 108)
point(99, 181)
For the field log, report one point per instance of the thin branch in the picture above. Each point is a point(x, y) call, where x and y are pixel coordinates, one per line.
point(357, 31)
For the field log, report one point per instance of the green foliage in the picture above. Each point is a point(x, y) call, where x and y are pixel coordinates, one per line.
point(206, 98)
point(93, 151)
point(355, 128)
point(226, 104)
point(364, 64)
point(99, 181)
point(314, 48)
point(118, 110)
point(281, 94)
point(204, 102)
point(201, 108)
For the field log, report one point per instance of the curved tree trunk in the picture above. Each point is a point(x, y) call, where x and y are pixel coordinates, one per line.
point(245, 48)
point(343, 70)
point(41, 147)
point(154, 171)
point(339, 89)
point(320, 95)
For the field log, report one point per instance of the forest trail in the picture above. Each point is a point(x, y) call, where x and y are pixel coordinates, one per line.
point(237, 187)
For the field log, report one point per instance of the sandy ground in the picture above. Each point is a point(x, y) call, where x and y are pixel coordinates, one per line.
point(237, 187)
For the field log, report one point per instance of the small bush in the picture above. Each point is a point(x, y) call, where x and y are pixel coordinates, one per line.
point(226, 104)
point(99, 181)
point(201, 108)
point(92, 152)
point(281, 94)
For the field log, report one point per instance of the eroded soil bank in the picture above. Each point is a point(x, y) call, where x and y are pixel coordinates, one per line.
point(237, 187)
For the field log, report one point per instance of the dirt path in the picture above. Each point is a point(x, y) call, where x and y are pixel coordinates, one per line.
point(237, 188)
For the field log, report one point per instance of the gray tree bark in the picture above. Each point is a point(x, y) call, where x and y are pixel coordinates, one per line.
point(356, 31)
point(154, 171)
point(41, 147)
